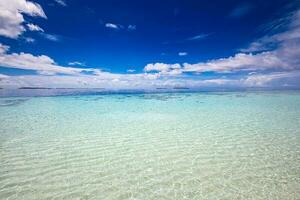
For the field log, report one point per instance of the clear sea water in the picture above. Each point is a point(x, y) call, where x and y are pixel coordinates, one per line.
point(231, 145)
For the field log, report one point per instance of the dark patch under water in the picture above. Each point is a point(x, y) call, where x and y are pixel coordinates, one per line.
point(164, 97)
point(12, 102)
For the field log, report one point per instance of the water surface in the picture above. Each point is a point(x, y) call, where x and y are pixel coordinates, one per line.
point(151, 146)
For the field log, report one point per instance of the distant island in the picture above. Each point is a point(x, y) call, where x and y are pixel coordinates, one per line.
point(46, 88)
point(30, 88)
point(181, 88)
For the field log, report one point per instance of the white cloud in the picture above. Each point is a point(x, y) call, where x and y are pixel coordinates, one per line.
point(182, 53)
point(262, 80)
point(2, 76)
point(239, 62)
point(3, 48)
point(165, 75)
point(130, 27)
point(278, 52)
point(285, 58)
point(219, 81)
point(112, 26)
point(61, 2)
point(100, 79)
point(148, 81)
point(160, 67)
point(130, 70)
point(76, 63)
point(276, 66)
point(33, 27)
point(42, 64)
point(11, 16)
point(291, 32)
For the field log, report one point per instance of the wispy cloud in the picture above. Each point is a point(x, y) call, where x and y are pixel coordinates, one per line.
point(29, 40)
point(199, 37)
point(131, 27)
point(76, 63)
point(33, 27)
point(290, 35)
point(51, 37)
point(131, 70)
point(61, 2)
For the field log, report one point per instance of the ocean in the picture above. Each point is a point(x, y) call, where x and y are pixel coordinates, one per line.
point(198, 145)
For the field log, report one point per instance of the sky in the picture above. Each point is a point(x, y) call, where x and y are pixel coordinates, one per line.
point(148, 44)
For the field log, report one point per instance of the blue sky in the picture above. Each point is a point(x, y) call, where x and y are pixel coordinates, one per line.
point(148, 44)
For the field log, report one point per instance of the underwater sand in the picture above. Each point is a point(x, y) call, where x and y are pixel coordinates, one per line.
point(231, 145)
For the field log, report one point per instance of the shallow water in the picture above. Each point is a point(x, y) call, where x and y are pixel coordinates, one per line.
point(151, 146)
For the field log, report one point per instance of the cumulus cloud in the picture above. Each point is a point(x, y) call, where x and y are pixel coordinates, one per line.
point(275, 64)
point(112, 26)
point(285, 58)
point(277, 52)
point(161, 67)
point(149, 81)
point(239, 62)
point(11, 16)
point(42, 63)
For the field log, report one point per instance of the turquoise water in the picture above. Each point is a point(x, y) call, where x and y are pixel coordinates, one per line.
point(151, 146)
